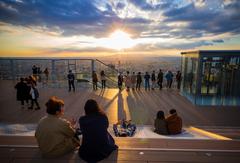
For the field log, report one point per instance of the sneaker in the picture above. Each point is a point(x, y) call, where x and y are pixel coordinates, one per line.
point(30, 108)
point(37, 108)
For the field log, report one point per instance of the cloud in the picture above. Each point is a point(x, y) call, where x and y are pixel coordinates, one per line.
point(175, 19)
point(218, 41)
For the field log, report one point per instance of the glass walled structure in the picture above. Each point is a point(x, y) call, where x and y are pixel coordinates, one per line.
point(211, 77)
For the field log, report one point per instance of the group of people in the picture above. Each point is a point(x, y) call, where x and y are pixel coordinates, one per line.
point(36, 72)
point(27, 90)
point(134, 81)
point(170, 125)
point(57, 136)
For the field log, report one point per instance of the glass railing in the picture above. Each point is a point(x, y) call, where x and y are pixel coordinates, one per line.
point(58, 68)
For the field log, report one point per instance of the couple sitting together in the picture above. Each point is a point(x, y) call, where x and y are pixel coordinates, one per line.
point(57, 136)
point(168, 126)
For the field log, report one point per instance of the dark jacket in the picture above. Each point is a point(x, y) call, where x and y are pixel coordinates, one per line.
point(160, 77)
point(139, 78)
point(174, 124)
point(71, 77)
point(22, 91)
point(97, 143)
point(161, 126)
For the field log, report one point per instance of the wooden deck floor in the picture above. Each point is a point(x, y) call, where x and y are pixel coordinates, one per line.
point(140, 106)
point(131, 150)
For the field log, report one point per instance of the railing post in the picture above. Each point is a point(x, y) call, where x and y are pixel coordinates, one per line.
point(12, 69)
point(53, 70)
point(93, 65)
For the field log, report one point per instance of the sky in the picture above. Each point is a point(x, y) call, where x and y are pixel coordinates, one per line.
point(82, 28)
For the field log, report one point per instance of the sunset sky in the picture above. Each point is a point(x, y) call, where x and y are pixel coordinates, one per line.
point(71, 28)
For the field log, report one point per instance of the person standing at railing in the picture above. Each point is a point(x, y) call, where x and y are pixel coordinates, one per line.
point(94, 80)
point(34, 71)
point(46, 72)
point(139, 81)
point(153, 79)
point(146, 81)
point(103, 79)
point(169, 77)
point(160, 79)
point(128, 81)
point(71, 79)
point(120, 81)
point(133, 80)
point(178, 79)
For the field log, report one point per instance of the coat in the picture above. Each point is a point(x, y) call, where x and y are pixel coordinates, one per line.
point(174, 123)
point(55, 136)
point(97, 143)
point(161, 126)
point(22, 91)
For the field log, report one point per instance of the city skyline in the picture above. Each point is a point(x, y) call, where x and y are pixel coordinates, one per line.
point(83, 28)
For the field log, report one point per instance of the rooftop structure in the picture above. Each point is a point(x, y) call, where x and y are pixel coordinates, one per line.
point(211, 77)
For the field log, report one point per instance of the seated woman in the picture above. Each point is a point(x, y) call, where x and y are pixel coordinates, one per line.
point(160, 124)
point(55, 135)
point(124, 128)
point(97, 143)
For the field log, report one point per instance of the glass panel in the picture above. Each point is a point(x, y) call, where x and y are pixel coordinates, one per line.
point(220, 78)
point(231, 81)
point(190, 65)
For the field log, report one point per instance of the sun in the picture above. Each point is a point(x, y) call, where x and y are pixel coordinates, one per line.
point(118, 40)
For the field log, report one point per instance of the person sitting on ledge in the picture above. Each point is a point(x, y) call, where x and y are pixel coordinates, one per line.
point(55, 135)
point(124, 128)
point(97, 143)
point(174, 122)
point(160, 124)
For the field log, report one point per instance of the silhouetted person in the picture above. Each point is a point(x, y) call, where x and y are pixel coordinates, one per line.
point(22, 91)
point(55, 135)
point(46, 72)
point(34, 71)
point(146, 81)
point(178, 79)
point(103, 79)
point(133, 80)
point(160, 124)
point(139, 81)
point(153, 79)
point(169, 77)
point(174, 122)
point(94, 80)
point(128, 81)
point(120, 81)
point(97, 143)
point(160, 79)
point(71, 79)
point(39, 72)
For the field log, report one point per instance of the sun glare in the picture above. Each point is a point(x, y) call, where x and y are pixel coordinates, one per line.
point(118, 40)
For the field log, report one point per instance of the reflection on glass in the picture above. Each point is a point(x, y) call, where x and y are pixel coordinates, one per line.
point(211, 77)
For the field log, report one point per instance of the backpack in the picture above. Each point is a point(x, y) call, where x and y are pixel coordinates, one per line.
point(36, 93)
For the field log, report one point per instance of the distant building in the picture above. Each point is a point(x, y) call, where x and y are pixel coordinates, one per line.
point(211, 77)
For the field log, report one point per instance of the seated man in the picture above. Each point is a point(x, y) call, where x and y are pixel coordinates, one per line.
point(174, 122)
point(55, 135)
point(124, 128)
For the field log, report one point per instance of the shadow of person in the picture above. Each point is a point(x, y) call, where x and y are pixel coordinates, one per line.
point(120, 105)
